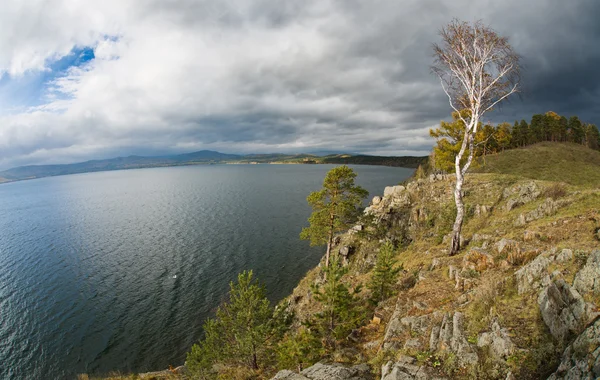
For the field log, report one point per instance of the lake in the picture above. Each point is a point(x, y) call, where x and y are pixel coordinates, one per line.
point(116, 271)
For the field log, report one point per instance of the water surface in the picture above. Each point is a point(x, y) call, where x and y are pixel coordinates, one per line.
point(118, 270)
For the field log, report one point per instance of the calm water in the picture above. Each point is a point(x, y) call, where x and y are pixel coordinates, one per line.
point(117, 270)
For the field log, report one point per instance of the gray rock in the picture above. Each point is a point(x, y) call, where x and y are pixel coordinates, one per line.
point(435, 263)
point(321, 371)
point(588, 278)
point(525, 193)
point(563, 310)
point(505, 245)
point(564, 256)
point(581, 359)
point(533, 276)
point(482, 210)
point(498, 341)
point(393, 330)
point(391, 191)
point(547, 208)
point(406, 369)
point(288, 375)
point(450, 336)
point(413, 344)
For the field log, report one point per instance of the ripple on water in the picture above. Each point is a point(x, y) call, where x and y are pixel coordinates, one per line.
point(87, 261)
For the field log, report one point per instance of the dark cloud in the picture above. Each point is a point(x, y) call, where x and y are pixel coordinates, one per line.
point(272, 75)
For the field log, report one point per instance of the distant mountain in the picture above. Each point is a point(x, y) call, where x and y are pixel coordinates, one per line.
point(198, 158)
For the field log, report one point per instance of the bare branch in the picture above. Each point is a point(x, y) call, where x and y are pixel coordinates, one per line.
point(477, 69)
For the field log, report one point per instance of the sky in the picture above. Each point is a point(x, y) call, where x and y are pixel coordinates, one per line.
point(94, 79)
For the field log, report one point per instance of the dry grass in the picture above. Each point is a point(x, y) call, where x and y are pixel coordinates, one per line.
point(557, 162)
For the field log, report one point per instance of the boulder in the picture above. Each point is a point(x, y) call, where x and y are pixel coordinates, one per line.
point(391, 191)
point(563, 310)
point(345, 252)
point(507, 245)
point(524, 194)
point(412, 325)
point(498, 341)
point(449, 336)
point(406, 368)
point(288, 375)
point(533, 276)
point(581, 359)
point(564, 256)
point(435, 263)
point(376, 200)
point(321, 371)
point(588, 278)
point(482, 210)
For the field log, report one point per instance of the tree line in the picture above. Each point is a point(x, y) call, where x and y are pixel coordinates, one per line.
point(491, 139)
point(542, 127)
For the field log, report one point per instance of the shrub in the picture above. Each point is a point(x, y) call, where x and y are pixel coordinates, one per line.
point(555, 191)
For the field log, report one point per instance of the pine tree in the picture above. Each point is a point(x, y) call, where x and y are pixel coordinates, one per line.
point(449, 137)
point(503, 136)
point(242, 334)
point(523, 139)
point(576, 132)
point(563, 126)
point(342, 309)
point(300, 350)
point(592, 136)
point(335, 207)
point(516, 135)
point(384, 274)
point(536, 132)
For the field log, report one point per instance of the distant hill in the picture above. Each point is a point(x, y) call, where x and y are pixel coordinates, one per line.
point(198, 158)
point(548, 161)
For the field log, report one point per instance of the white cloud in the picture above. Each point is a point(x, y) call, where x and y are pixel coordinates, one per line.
point(238, 76)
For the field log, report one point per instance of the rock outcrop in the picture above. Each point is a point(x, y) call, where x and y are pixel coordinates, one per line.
point(497, 341)
point(581, 359)
point(533, 276)
point(524, 194)
point(588, 278)
point(564, 311)
point(321, 371)
point(405, 368)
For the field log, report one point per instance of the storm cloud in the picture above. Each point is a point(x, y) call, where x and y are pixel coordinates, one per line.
point(265, 75)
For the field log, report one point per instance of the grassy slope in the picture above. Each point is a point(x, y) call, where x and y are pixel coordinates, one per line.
point(494, 294)
point(559, 162)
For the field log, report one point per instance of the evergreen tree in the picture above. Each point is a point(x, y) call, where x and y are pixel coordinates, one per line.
point(536, 129)
point(503, 136)
point(576, 132)
point(592, 136)
point(384, 274)
point(552, 126)
point(486, 141)
point(335, 207)
point(342, 309)
point(563, 126)
point(523, 138)
point(516, 135)
point(242, 334)
point(300, 350)
point(449, 138)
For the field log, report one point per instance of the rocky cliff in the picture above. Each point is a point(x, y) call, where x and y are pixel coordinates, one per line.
point(519, 302)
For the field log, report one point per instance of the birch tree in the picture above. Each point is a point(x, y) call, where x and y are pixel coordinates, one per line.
point(477, 69)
